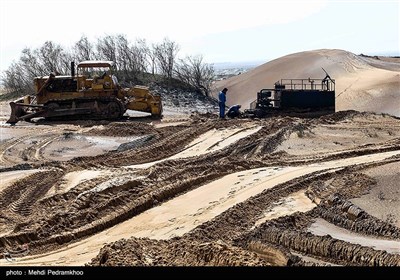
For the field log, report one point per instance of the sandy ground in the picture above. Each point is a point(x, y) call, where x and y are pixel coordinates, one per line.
point(191, 189)
point(180, 215)
point(383, 201)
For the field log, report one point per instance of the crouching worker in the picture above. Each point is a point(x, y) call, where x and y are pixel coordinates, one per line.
point(234, 111)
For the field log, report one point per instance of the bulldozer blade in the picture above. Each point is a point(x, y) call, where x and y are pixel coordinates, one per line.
point(19, 112)
point(16, 112)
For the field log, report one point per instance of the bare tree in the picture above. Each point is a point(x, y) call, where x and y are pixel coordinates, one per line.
point(139, 53)
point(138, 58)
point(31, 64)
point(50, 57)
point(152, 59)
point(195, 73)
point(131, 59)
point(15, 79)
point(38, 62)
point(123, 56)
point(83, 49)
point(28, 67)
point(106, 48)
point(165, 54)
point(143, 55)
point(65, 62)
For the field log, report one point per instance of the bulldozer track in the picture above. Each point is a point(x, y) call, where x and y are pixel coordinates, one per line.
point(20, 196)
point(101, 113)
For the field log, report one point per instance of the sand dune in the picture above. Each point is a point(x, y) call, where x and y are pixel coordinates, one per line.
point(362, 83)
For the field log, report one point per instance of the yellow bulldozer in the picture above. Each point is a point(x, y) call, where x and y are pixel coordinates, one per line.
point(93, 93)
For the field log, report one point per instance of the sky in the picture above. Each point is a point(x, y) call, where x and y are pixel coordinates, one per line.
point(219, 30)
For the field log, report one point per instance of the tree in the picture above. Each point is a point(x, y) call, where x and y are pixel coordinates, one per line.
point(65, 62)
point(139, 53)
point(31, 63)
point(131, 59)
point(83, 50)
point(195, 73)
point(52, 58)
point(165, 54)
point(106, 49)
point(14, 79)
point(123, 56)
point(151, 57)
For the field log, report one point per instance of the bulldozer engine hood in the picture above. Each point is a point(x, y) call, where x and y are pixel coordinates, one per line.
point(56, 77)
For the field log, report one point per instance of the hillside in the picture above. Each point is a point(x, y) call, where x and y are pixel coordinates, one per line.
point(362, 83)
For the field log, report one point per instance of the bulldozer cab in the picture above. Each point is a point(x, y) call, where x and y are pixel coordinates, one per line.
point(95, 76)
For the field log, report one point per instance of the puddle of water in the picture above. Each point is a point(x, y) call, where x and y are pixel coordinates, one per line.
point(81, 145)
point(106, 142)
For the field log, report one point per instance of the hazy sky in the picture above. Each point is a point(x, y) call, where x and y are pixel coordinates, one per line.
point(220, 30)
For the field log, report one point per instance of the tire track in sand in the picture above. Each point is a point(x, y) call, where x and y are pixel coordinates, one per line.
point(183, 213)
point(211, 141)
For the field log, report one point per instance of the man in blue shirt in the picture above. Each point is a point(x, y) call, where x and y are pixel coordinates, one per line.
point(222, 100)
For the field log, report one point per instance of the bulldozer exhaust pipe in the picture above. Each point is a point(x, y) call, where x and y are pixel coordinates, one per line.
point(72, 69)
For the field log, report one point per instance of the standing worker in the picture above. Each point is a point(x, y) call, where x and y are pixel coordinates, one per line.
point(222, 100)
